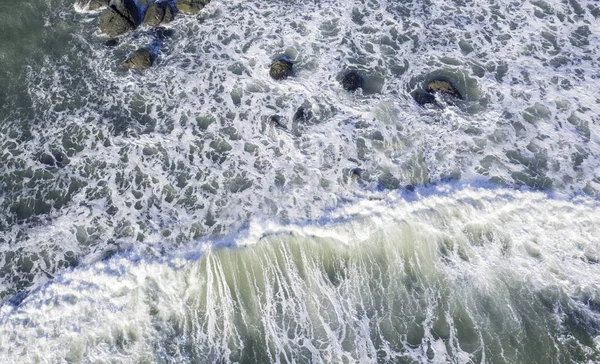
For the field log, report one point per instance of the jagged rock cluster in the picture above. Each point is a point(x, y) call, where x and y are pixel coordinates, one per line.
point(282, 68)
point(118, 17)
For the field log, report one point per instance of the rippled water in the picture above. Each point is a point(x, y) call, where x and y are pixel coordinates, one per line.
point(108, 175)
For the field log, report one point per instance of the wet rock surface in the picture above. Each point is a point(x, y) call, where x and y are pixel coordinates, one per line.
point(158, 14)
point(443, 86)
point(140, 60)
point(281, 69)
point(113, 42)
point(119, 18)
point(423, 97)
point(191, 6)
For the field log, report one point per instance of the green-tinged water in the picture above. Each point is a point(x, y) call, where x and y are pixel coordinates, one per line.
point(455, 279)
point(202, 211)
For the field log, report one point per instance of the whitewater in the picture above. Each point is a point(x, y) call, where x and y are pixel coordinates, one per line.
point(163, 217)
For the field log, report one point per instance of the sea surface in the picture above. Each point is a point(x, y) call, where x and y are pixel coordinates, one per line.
point(162, 217)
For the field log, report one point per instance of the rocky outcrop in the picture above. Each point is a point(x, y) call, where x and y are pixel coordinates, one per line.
point(352, 81)
point(122, 16)
point(281, 69)
point(91, 5)
point(158, 14)
point(140, 60)
point(444, 87)
point(191, 6)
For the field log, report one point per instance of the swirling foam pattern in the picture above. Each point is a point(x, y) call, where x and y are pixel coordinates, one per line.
point(462, 276)
point(97, 160)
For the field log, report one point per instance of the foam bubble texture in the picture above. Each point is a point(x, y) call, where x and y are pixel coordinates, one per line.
point(99, 158)
point(457, 276)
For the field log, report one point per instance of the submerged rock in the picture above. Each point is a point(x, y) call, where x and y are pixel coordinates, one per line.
point(423, 97)
point(356, 173)
point(352, 81)
point(275, 120)
point(158, 14)
point(427, 96)
point(140, 60)
point(281, 69)
point(112, 42)
point(120, 17)
point(191, 6)
point(91, 5)
point(444, 87)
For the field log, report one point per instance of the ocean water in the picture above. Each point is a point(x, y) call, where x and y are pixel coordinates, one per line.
point(160, 217)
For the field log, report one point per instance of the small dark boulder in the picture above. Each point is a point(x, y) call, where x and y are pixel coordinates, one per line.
point(139, 60)
point(444, 87)
point(191, 6)
point(281, 69)
point(113, 42)
point(356, 173)
point(275, 120)
point(91, 5)
point(352, 81)
point(423, 97)
point(158, 14)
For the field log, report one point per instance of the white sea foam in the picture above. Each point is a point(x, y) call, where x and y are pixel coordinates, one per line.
point(452, 275)
point(185, 151)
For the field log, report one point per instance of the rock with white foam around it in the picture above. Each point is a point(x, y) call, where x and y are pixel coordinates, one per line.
point(444, 87)
point(281, 69)
point(140, 60)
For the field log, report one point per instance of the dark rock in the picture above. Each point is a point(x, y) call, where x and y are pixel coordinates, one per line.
point(191, 6)
point(352, 81)
point(139, 60)
point(444, 87)
point(281, 69)
point(119, 18)
point(128, 9)
point(91, 5)
point(423, 97)
point(275, 120)
point(356, 173)
point(158, 14)
point(112, 42)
